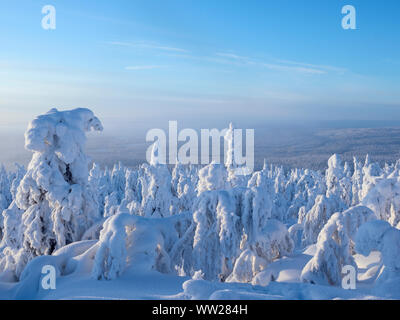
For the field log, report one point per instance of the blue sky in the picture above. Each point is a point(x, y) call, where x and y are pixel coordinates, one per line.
point(205, 60)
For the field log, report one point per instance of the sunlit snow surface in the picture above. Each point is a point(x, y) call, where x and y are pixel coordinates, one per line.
point(154, 285)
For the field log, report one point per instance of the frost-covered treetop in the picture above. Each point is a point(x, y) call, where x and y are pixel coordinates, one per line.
point(62, 132)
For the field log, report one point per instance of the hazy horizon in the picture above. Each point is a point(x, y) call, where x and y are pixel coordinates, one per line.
point(303, 145)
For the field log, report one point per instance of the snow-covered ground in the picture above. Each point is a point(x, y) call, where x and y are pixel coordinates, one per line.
point(192, 232)
point(153, 285)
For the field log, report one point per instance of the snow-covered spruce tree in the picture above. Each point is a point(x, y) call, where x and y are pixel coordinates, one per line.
point(371, 173)
point(9, 194)
point(184, 182)
point(238, 175)
point(338, 183)
point(338, 197)
point(5, 186)
point(315, 219)
point(356, 182)
point(217, 234)
point(158, 199)
point(118, 181)
point(100, 185)
point(273, 182)
point(262, 179)
point(54, 196)
point(378, 235)
point(335, 246)
point(268, 243)
point(307, 188)
point(117, 189)
point(384, 199)
point(111, 204)
point(133, 190)
point(212, 177)
point(16, 180)
point(309, 206)
point(234, 236)
point(283, 192)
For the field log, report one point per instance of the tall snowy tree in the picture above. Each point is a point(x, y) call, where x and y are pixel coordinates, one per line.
point(54, 197)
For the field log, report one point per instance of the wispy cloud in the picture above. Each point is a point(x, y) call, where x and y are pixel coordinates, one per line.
point(313, 66)
point(146, 45)
point(143, 67)
point(232, 56)
point(279, 65)
point(299, 69)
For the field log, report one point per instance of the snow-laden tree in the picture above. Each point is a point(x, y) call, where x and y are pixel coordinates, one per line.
point(283, 191)
point(5, 187)
point(184, 182)
point(383, 198)
point(138, 243)
point(16, 180)
point(231, 222)
point(371, 173)
point(238, 175)
point(306, 189)
point(338, 197)
point(269, 243)
point(356, 182)
point(316, 218)
point(217, 235)
point(158, 199)
point(378, 235)
point(133, 191)
point(335, 247)
point(212, 177)
point(262, 179)
point(9, 194)
point(100, 185)
point(274, 182)
point(338, 183)
point(54, 203)
point(118, 181)
point(111, 204)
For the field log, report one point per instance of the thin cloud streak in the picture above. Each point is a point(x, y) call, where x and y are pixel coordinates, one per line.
point(303, 70)
point(146, 45)
point(316, 66)
point(283, 65)
point(233, 59)
point(143, 67)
